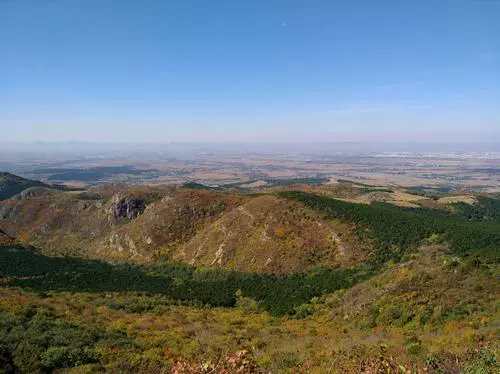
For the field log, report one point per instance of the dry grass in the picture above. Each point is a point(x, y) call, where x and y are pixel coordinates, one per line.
point(467, 199)
point(270, 234)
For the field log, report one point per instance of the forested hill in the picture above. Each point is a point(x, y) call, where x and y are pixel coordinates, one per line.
point(395, 230)
point(11, 185)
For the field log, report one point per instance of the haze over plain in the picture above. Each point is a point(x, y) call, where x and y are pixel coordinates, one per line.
point(156, 71)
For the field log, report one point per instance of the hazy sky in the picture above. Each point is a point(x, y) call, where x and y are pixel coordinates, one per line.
point(103, 70)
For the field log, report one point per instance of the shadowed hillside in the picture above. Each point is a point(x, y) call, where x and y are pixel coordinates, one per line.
point(431, 313)
point(11, 185)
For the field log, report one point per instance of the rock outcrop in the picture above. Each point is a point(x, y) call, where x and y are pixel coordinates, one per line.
point(11, 185)
point(128, 208)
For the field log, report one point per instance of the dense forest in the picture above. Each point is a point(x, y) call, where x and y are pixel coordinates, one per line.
point(487, 209)
point(394, 230)
point(182, 283)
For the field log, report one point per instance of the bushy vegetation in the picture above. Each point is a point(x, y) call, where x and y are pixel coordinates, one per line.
point(33, 339)
point(87, 195)
point(313, 181)
point(290, 181)
point(394, 230)
point(432, 192)
point(366, 188)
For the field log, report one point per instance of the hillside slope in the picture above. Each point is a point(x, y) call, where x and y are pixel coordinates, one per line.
point(275, 233)
point(263, 233)
point(11, 185)
point(5, 240)
point(113, 223)
point(272, 234)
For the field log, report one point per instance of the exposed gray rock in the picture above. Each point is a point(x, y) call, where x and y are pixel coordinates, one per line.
point(31, 192)
point(8, 211)
point(128, 208)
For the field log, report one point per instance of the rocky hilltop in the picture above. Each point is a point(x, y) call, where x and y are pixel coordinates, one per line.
point(264, 233)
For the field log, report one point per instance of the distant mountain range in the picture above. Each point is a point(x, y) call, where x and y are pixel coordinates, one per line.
point(329, 143)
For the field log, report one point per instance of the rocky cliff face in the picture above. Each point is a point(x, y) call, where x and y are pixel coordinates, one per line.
point(8, 211)
point(128, 208)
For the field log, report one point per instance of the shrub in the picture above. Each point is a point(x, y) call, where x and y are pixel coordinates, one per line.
point(483, 362)
point(65, 357)
point(303, 311)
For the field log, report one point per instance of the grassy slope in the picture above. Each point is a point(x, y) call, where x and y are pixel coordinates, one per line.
point(274, 235)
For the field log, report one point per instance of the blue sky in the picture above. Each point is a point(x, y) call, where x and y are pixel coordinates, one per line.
point(158, 71)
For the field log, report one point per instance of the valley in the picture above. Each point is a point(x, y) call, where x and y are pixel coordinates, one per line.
point(303, 274)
